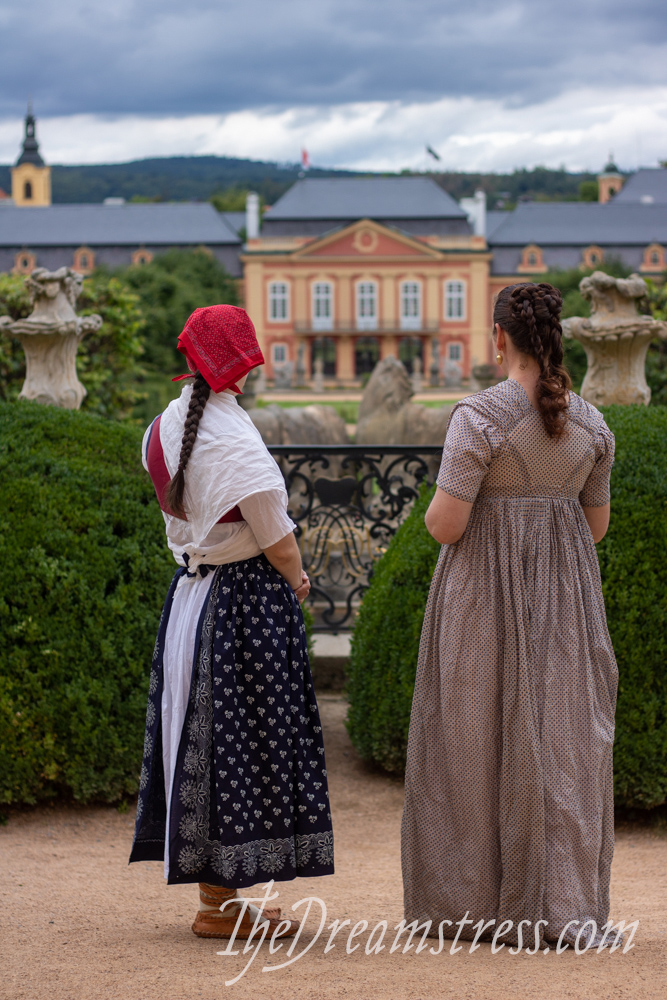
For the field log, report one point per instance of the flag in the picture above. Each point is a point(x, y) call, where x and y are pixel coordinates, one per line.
point(305, 160)
point(432, 153)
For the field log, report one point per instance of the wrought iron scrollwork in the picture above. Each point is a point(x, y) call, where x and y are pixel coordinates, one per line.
point(347, 501)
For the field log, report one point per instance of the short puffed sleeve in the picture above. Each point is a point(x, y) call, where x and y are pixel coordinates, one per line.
point(596, 492)
point(466, 455)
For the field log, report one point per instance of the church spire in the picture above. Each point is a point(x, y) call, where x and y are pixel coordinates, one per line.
point(30, 152)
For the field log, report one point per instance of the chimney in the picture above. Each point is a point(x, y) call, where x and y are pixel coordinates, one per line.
point(475, 209)
point(252, 216)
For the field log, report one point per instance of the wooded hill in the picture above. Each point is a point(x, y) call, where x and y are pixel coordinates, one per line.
point(187, 178)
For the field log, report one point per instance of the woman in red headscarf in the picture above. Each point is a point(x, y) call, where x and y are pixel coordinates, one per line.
point(233, 787)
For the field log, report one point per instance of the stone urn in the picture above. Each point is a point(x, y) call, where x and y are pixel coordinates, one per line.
point(615, 338)
point(50, 337)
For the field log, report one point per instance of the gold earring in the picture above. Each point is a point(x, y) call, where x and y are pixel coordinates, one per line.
point(499, 358)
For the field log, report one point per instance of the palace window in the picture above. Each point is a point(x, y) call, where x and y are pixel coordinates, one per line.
point(532, 260)
point(367, 314)
point(279, 302)
point(592, 256)
point(654, 258)
point(454, 352)
point(411, 318)
point(322, 305)
point(455, 300)
point(279, 353)
point(84, 260)
point(141, 257)
point(24, 262)
point(27, 191)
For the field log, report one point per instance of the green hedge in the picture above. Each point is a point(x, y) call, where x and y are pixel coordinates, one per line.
point(85, 570)
point(633, 560)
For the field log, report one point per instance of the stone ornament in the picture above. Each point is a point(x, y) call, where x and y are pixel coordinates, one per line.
point(615, 338)
point(50, 337)
point(388, 416)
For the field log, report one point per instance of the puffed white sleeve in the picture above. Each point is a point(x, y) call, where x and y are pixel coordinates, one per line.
point(266, 514)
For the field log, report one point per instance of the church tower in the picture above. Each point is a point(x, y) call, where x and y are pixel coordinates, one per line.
point(31, 178)
point(610, 182)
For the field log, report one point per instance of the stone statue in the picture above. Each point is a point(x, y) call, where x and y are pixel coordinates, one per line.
point(615, 338)
point(417, 380)
point(435, 362)
point(453, 374)
point(318, 381)
point(282, 375)
point(301, 367)
point(300, 425)
point(50, 337)
point(386, 415)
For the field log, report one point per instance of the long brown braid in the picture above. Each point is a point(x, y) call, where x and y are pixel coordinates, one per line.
point(530, 315)
point(174, 494)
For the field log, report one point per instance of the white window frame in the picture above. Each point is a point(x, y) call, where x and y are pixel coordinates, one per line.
point(277, 349)
point(367, 305)
point(459, 348)
point(279, 302)
point(455, 300)
point(411, 305)
point(322, 305)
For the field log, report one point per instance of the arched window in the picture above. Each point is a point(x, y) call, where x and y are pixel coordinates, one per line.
point(84, 260)
point(411, 305)
point(532, 260)
point(592, 256)
point(27, 190)
point(455, 301)
point(322, 305)
point(279, 302)
point(654, 258)
point(141, 257)
point(24, 262)
point(410, 348)
point(367, 313)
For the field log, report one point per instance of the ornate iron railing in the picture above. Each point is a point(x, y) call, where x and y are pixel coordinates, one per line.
point(347, 501)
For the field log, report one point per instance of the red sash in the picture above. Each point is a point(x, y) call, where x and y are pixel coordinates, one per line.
point(157, 470)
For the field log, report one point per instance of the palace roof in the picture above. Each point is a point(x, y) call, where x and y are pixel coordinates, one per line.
point(648, 186)
point(351, 198)
point(582, 224)
point(115, 225)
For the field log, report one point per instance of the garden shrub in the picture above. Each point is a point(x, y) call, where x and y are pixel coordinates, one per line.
point(385, 643)
point(85, 573)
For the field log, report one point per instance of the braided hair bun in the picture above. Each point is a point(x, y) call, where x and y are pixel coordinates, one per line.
point(201, 390)
point(530, 315)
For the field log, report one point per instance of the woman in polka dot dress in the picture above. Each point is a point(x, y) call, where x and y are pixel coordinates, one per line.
point(233, 787)
point(509, 793)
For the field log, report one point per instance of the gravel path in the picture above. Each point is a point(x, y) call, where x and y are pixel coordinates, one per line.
point(77, 922)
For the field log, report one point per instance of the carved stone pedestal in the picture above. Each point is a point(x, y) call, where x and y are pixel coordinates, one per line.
point(50, 337)
point(615, 338)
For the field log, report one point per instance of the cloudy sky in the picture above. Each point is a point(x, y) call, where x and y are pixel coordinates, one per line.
point(366, 84)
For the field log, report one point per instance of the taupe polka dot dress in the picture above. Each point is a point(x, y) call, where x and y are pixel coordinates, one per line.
point(509, 797)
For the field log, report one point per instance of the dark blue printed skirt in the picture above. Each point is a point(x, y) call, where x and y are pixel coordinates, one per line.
point(250, 801)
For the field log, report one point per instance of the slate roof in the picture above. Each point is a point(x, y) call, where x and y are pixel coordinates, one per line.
point(114, 225)
point(581, 224)
point(649, 182)
point(494, 219)
point(365, 197)
point(236, 220)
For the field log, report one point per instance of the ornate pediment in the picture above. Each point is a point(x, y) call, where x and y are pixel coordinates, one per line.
point(366, 239)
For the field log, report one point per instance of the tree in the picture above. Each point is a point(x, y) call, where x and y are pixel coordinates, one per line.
point(589, 191)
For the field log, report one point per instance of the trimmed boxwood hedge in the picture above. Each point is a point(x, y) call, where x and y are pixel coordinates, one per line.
point(85, 570)
point(633, 561)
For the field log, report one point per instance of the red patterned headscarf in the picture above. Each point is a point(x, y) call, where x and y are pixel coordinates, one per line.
point(221, 343)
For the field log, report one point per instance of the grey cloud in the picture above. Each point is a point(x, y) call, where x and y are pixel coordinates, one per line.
point(166, 57)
